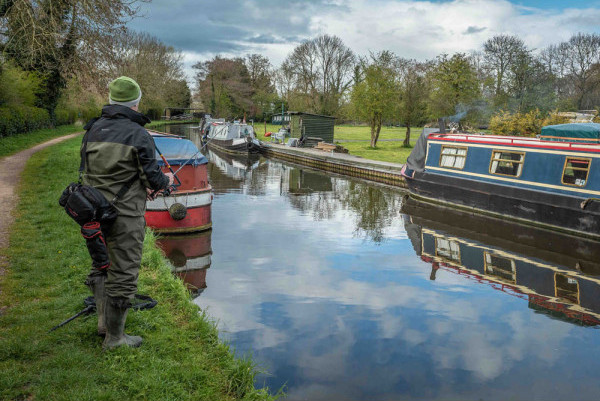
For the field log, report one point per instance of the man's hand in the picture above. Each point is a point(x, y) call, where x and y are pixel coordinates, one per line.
point(171, 178)
point(149, 193)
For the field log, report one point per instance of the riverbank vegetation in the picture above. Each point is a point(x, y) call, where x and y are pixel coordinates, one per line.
point(57, 58)
point(181, 358)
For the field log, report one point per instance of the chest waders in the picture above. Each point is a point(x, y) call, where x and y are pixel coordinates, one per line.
point(90, 209)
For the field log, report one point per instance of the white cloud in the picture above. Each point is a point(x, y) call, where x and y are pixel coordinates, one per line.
point(426, 29)
point(412, 29)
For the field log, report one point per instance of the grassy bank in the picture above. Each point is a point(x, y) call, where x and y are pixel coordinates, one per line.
point(181, 358)
point(160, 123)
point(16, 143)
point(384, 151)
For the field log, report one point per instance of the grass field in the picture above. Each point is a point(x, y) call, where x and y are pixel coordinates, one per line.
point(384, 151)
point(182, 357)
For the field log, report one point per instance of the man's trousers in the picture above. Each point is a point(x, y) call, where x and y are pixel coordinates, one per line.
point(124, 240)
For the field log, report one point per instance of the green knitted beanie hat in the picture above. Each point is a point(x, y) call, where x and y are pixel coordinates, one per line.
point(124, 91)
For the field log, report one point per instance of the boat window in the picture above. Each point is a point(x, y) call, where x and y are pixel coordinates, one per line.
point(566, 288)
point(500, 267)
point(447, 249)
point(507, 163)
point(576, 171)
point(453, 157)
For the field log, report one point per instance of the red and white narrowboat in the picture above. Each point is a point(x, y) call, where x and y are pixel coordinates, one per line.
point(188, 208)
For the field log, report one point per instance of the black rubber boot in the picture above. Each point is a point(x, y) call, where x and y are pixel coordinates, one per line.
point(96, 285)
point(116, 314)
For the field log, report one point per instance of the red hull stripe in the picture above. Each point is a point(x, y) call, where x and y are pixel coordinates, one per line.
point(197, 219)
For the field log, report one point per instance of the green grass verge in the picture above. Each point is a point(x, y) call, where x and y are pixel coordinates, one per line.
point(159, 123)
point(16, 143)
point(182, 357)
point(384, 151)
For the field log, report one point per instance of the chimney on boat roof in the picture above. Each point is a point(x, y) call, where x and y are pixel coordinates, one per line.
point(442, 125)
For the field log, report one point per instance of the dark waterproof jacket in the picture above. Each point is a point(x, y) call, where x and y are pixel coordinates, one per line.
point(119, 149)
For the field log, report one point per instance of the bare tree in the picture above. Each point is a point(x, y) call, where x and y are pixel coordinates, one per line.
point(500, 53)
point(323, 69)
point(259, 69)
point(413, 91)
point(285, 81)
point(582, 58)
point(574, 64)
point(554, 60)
point(155, 66)
point(46, 36)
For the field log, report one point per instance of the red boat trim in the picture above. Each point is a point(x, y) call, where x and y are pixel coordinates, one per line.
point(516, 142)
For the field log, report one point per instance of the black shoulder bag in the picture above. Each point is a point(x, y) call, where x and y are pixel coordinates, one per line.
point(90, 209)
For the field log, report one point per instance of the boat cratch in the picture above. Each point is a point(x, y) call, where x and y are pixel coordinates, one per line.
point(552, 180)
point(187, 209)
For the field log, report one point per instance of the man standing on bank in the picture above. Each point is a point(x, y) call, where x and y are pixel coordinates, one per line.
point(118, 151)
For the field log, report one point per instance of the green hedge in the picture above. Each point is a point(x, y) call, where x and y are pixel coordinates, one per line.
point(18, 119)
point(64, 116)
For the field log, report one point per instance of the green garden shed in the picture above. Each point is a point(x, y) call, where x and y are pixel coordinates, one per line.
point(314, 126)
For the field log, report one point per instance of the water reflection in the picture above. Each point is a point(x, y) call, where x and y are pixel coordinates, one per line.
point(338, 295)
point(565, 286)
point(190, 256)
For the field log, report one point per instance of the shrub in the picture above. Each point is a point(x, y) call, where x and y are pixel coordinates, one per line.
point(522, 124)
point(65, 116)
point(554, 119)
point(20, 119)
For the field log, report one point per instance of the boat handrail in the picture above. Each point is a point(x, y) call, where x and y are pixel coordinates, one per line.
point(511, 140)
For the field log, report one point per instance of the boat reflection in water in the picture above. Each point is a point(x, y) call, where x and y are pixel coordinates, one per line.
point(233, 172)
point(190, 256)
point(234, 166)
point(559, 277)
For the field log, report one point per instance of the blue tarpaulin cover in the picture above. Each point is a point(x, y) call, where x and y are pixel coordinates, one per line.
point(177, 151)
point(580, 131)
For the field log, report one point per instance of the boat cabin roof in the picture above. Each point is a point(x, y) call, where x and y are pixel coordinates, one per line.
point(177, 150)
point(583, 132)
point(515, 141)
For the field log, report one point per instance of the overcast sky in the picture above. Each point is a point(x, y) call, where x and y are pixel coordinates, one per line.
point(202, 29)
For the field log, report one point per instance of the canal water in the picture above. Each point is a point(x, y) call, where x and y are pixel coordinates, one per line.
point(343, 290)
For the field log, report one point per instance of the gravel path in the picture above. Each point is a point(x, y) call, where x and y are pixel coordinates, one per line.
point(11, 168)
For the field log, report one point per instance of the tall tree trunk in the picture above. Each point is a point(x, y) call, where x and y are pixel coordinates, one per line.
point(373, 139)
point(406, 142)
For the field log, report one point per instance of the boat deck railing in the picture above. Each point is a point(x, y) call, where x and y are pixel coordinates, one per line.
point(517, 141)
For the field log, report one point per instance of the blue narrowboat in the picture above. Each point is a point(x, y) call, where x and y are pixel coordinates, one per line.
point(552, 181)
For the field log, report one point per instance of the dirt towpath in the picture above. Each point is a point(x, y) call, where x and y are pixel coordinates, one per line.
point(11, 168)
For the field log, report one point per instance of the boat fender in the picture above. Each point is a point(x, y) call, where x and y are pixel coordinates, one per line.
point(177, 211)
